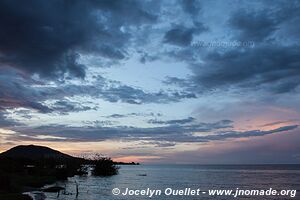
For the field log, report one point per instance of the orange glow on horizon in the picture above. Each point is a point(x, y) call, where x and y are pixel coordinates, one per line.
point(139, 159)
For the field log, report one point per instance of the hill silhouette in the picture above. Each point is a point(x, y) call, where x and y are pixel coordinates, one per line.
point(34, 152)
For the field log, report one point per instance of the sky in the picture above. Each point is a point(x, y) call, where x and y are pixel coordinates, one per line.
point(170, 81)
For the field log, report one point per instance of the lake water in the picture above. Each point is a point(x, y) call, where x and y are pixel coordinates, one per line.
point(205, 178)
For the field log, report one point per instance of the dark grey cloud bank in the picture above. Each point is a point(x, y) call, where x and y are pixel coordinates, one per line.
point(253, 26)
point(271, 64)
point(192, 7)
point(183, 36)
point(168, 134)
point(46, 37)
point(133, 114)
point(174, 121)
point(274, 68)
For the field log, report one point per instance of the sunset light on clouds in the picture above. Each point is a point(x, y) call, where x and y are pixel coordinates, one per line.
point(153, 81)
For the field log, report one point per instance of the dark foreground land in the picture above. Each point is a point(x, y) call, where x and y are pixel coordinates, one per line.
point(25, 168)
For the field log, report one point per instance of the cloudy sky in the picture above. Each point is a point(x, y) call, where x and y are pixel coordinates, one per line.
point(180, 81)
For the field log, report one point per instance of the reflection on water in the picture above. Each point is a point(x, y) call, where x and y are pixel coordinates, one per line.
point(180, 177)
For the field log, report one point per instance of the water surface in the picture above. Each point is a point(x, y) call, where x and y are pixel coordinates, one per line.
point(206, 177)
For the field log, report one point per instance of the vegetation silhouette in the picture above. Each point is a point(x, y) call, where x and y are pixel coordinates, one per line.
point(104, 166)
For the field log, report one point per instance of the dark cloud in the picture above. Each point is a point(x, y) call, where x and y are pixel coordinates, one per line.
point(97, 132)
point(170, 122)
point(147, 144)
point(172, 134)
point(129, 12)
point(236, 134)
point(179, 36)
point(114, 91)
point(183, 36)
point(130, 95)
point(253, 26)
point(47, 37)
point(100, 123)
point(272, 68)
point(191, 7)
point(264, 23)
point(34, 39)
point(271, 64)
point(116, 116)
point(66, 106)
point(133, 114)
